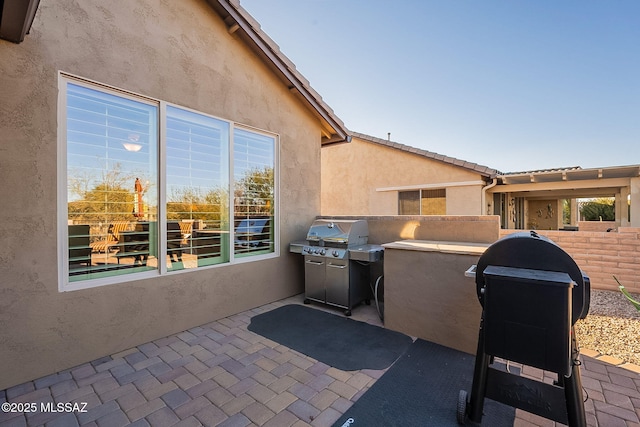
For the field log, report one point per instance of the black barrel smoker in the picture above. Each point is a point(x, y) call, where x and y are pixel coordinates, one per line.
point(532, 293)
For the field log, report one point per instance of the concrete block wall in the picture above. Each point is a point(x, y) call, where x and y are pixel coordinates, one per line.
point(602, 255)
point(596, 225)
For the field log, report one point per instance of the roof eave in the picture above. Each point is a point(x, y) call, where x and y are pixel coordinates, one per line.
point(16, 18)
point(238, 22)
point(484, 171)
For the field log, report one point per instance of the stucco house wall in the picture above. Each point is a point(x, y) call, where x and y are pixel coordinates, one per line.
point(180, 52)
point(465, 200)
point(363, 178)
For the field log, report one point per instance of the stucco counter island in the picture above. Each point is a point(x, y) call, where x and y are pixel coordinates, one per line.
point(427, 294)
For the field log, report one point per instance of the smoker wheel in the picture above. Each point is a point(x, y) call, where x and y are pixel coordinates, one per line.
point(307, 301)
point(461, 413)
point(347, 313)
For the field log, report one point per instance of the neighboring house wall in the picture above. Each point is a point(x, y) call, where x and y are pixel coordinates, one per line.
point(601, 255)
point(179, 52)
point(465, 200)
point(544, 214)
point(363, 177)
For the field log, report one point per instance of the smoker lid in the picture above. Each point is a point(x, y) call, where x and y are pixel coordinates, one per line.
point(532, 251)
point(338, 231)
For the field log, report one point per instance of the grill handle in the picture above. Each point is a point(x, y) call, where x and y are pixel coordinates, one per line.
point(314, 262)
point(337, 265)
point(471, 272)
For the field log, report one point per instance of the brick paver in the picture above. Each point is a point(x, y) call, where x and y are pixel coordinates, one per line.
point(221, 374)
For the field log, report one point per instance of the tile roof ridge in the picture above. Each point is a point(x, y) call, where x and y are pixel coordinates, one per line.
point(483, 170)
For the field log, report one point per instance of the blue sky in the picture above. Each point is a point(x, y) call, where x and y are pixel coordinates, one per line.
point(514, 85)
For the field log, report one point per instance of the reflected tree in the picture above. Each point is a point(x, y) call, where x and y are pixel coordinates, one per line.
point(104, 200)
point(187, 203)
point(254, 192)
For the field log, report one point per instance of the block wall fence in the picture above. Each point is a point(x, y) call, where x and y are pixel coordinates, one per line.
point(601, 255)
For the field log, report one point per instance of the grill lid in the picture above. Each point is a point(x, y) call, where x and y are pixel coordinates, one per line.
point(530, 250)
point(342, 232)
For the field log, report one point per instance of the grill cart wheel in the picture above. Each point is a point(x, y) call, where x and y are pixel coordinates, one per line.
point(461, 414)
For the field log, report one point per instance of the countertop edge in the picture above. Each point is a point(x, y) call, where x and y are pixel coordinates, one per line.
point(461, 248)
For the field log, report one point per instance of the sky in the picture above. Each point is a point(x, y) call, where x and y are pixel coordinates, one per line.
point(516, 85)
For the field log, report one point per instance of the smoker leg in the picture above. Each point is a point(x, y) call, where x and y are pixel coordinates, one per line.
point(573, 389)
point(479, 386)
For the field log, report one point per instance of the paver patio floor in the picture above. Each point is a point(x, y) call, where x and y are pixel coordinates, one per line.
point(221, 374)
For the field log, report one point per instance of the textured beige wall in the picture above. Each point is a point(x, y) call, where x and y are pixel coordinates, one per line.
point(467, 228)
point(180, 52)
point(464, 200)
point(426, 295)
point(352, 172)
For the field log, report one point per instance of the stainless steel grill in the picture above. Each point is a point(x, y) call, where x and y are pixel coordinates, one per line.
point(339, 263)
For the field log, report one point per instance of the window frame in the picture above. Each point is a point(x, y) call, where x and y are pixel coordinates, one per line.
point(64, 284)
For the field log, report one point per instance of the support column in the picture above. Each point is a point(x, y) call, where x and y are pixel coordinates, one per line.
point(622, 208)
point(559, 213)
point(635, 202)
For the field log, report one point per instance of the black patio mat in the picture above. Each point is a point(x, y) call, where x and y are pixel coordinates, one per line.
point(337, 341)
point(421, 389)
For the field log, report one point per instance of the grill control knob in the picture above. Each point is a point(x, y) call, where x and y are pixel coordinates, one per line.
point(335, 253)
point(322, 251)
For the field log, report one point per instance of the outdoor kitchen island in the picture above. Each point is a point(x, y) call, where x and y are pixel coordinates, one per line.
point(426, 292)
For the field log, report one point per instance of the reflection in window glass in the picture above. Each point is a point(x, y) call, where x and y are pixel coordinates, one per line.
point(111, 183)
point(114, 147)
point(254, 190)
point(197, 189)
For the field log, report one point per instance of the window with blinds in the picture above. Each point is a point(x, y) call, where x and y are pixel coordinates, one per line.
point(422, 202)
point(112, 224)
point(197, 189)
point(254, 190)
point(409, 202)
point(111, 169)
point(433, 202)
